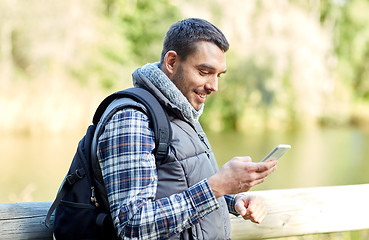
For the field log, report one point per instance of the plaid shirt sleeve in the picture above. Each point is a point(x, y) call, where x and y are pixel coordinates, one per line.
point(230, 203)
point(128, 166)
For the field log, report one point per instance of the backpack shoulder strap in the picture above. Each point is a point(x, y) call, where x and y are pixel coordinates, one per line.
point(131, 97)
point(161, 124)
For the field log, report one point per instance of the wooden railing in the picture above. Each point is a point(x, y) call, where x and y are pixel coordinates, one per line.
point(291, 212)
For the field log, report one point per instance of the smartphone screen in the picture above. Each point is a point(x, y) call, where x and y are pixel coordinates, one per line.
point(277, 152)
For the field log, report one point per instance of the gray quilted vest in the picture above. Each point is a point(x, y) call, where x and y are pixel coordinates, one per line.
point(189, 161)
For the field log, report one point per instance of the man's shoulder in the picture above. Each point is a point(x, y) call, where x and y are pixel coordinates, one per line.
point(128, 120)
point(131, 112)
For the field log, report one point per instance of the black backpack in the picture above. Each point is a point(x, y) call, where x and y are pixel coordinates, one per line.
point(81, 206)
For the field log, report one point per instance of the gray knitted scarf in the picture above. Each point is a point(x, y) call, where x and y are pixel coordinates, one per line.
point(158, 78)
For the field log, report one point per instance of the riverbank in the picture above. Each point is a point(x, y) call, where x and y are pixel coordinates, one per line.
point(44, 108)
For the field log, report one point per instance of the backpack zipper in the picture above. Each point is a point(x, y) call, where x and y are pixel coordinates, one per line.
point(93, 198)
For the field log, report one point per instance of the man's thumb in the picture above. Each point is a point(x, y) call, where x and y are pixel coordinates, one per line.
point(246, 159)
point(240, 208)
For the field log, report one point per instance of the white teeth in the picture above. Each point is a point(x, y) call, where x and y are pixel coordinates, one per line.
point(202, 95)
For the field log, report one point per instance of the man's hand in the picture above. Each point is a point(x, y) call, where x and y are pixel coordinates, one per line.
point(239, 175)
point(250, 207)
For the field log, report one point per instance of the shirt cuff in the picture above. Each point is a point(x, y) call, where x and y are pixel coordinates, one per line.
point(230, 202)
point(202, 198)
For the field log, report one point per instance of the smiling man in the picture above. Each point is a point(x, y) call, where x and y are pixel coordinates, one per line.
point(186, 196)
point(196, 76)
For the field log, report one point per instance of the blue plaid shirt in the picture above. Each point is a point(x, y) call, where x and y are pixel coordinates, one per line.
point(128, 166)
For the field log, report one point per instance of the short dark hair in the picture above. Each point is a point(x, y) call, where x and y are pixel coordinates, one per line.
point(183, 35)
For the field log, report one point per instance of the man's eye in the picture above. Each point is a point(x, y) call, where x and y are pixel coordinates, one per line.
point(203, 72)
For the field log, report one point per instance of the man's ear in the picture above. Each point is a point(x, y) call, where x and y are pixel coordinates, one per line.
point(170, 62)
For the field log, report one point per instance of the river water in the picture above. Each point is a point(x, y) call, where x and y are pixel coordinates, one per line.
point(33, 167)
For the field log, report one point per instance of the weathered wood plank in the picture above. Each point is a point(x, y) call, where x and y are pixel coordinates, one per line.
point(24, 220)
point(291, 212)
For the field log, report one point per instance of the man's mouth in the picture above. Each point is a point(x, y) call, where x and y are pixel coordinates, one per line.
point(202, 95)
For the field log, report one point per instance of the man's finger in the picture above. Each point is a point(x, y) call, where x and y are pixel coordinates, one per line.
point(266, 166)
point(240, 208)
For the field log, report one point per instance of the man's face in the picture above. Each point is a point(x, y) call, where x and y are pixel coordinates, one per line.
point(197, 76)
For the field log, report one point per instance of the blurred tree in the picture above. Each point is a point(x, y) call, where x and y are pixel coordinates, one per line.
point(246, 85)
point(134, 37)
point(144, 24)
point(289, 61)
point(348, 19)
point(278, 73)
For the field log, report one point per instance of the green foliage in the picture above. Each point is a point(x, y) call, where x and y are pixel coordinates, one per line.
point(19, 53)
point(349, 23)
point(281, 64)
point(326, 59)
point(138, 28)
point(144, 24)
point(246, 85)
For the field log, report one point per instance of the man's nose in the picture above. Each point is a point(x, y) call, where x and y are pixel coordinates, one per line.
point(212, 84)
